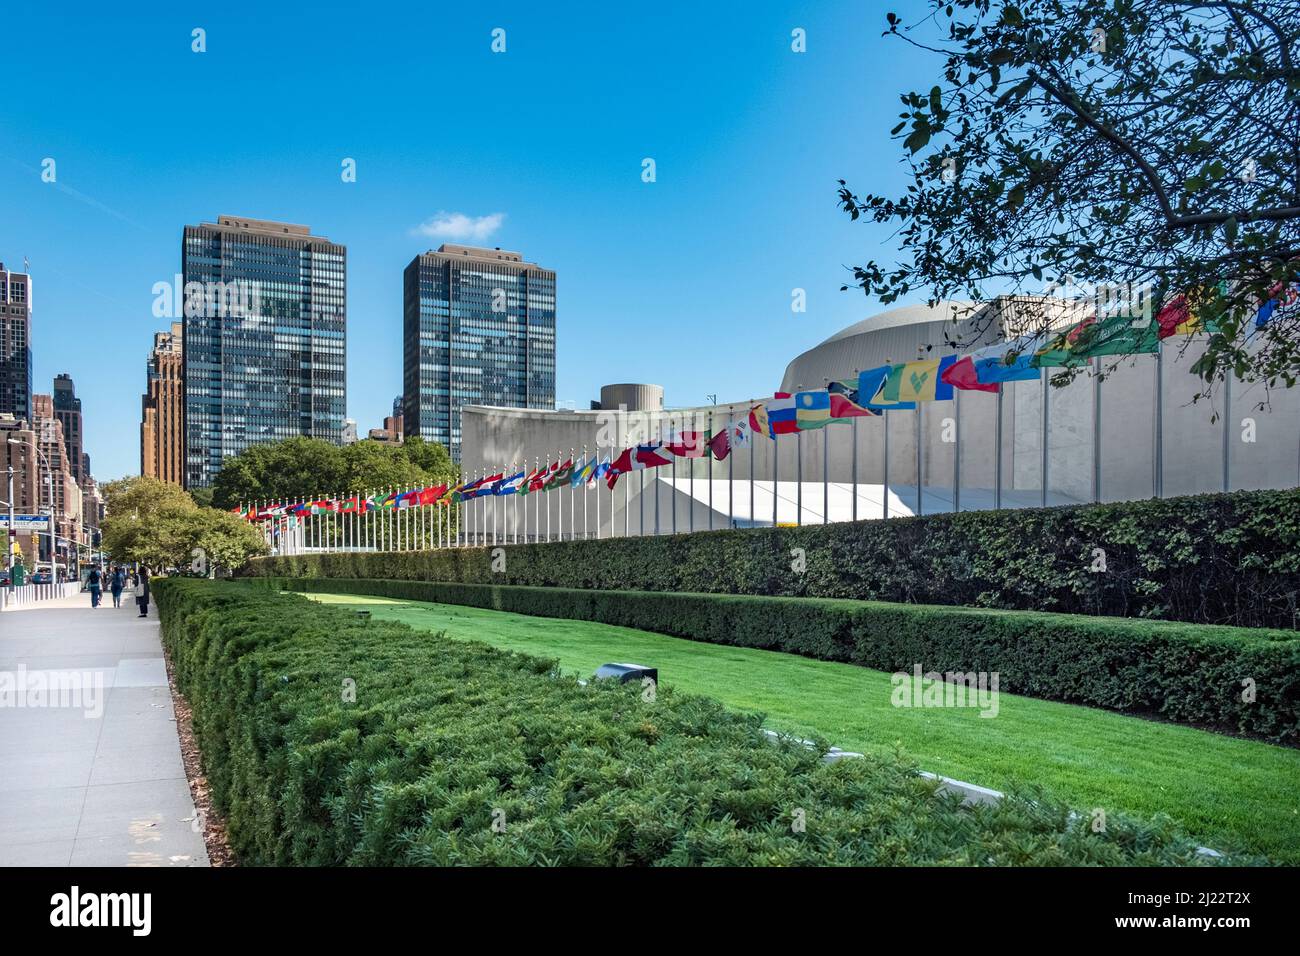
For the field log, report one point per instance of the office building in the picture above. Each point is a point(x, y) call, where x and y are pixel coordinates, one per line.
point(15, 344)
point(478, 329)
point(67, 409)
point(162, 437)
point(264, 338)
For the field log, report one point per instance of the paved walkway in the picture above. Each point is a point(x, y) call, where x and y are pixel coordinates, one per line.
point(90, 764)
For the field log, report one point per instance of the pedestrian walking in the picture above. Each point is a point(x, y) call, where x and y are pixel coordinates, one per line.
point(117, 584)
point(95, 584)
point(142, 591)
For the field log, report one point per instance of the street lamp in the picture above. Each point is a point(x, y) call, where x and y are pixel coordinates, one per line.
point(49, 481)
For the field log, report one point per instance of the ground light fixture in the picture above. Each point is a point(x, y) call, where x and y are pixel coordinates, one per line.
point(627, 672)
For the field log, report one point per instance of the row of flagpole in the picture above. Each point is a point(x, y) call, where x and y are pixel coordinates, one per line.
point(482, 520)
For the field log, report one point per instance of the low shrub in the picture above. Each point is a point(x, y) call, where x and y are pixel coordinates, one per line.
point(1211, 559)
point(452, 752)
point(1237, 680)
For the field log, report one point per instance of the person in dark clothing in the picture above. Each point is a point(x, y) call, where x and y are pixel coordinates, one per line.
point(95, 584)
point(117, 584)
point(142, 591)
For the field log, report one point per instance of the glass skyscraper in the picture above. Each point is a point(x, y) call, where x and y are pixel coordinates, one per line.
point(15, 344)
point(265, 319)
point(478, 329)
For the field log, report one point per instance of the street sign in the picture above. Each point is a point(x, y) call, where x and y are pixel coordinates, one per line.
point(27, 523)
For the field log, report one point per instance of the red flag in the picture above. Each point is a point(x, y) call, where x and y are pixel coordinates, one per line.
point(1172, 314)
point(720, 444)
point(431, 494)
point(961, 374)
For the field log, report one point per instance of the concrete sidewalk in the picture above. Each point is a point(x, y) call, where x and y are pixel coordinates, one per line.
point(91, 773)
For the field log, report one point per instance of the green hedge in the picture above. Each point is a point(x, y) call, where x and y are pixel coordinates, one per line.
point(446, 738)
point(1209, 559)
point(1187, 673)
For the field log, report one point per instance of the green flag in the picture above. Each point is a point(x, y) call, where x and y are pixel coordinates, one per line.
point(1118, 335)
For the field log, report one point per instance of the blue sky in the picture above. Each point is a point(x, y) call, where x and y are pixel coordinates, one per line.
point(684, 282)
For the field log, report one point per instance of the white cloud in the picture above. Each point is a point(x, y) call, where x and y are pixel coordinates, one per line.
point(458, 227)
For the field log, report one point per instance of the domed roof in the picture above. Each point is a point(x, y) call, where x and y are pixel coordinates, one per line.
point(897, 335)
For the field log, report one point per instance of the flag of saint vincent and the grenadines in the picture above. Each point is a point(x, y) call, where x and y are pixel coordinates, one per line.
point(1116, 335)
point(919, 381)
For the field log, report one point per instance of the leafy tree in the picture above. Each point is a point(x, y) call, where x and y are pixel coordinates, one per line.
point(300, 469)
point(295, 468)
point(159, 525)
point(1112, 142)
point(132, 507)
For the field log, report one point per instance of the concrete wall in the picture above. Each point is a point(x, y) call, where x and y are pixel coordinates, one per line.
point(1262, 447)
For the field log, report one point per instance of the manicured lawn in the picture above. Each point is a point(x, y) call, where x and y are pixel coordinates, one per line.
point(1230, 793)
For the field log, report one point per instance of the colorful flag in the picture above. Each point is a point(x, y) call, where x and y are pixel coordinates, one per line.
point(869, 386)
point(1011, 361)
point(782, 416)
point(582, 472)
point(685, 444)
point(844, 401)
point(812, 409)
point(918, 381)
point(650, 455)
point(431, 494)
point(962, 374)
point(1281, 298)
point(508, 486)
point(560, 476)
point(1117, 335)
point(758, 420)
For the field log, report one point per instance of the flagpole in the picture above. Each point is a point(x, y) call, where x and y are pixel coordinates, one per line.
point(776, 471)
point(753, 516)
point(956, 453)
point(731, 474)
point(853, 472)
point(659, 429)
point(1158, 438)
point(709, 454)
point(826, 479)
point(1045, 378)
point(884, 415)
point(690, 482)
point(997, 455)
point(920, 463)
point(1096, 432)
point(798, 479)
point(673, 499)
point(1227, 426)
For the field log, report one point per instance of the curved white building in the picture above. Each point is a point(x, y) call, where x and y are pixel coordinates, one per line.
point(1134, 434)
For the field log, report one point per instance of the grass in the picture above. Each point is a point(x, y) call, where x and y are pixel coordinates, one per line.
point(1229, 793)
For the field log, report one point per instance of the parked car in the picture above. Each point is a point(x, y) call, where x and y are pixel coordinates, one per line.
point(42, 577)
